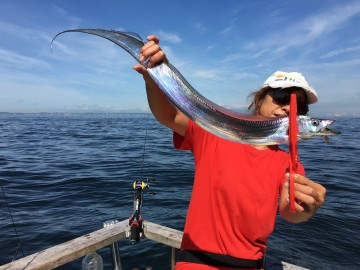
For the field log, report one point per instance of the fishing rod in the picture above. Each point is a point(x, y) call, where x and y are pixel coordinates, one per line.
point(139, 185)
point(136, 228)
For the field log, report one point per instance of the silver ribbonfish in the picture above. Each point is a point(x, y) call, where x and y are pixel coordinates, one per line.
point(243, 128)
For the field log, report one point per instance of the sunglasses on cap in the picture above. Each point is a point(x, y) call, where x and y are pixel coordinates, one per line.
point(282, 97)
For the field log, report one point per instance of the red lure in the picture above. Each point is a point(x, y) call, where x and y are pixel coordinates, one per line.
point(293, 149)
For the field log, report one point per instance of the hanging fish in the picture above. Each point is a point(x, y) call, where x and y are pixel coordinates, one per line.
point(234, 126)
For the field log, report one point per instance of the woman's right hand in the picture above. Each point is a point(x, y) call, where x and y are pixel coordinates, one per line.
point(163, 110)
point(150, 49)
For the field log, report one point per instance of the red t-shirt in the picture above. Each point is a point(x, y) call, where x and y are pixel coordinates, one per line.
point(235, 195)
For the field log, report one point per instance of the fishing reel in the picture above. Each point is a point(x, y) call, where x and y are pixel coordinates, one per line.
point(135, 221)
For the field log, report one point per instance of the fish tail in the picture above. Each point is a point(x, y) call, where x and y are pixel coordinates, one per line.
point(130, 42)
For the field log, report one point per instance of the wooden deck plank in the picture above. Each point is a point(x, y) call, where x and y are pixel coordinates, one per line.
point(162, 234)
point(71, 250)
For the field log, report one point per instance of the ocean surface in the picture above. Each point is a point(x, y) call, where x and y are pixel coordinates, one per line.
point(63, 175)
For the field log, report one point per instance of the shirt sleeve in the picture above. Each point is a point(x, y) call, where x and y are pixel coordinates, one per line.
point(185, 142)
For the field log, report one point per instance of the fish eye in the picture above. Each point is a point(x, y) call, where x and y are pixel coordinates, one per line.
point(315, 122)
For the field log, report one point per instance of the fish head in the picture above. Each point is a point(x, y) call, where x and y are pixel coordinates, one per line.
point(310, 127)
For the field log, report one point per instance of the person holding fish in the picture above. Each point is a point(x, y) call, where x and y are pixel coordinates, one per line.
point(236, 188)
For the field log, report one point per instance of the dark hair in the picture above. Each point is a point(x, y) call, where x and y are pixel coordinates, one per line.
point(259, 96)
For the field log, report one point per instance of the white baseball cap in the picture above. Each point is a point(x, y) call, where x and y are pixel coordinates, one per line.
point(282, 79)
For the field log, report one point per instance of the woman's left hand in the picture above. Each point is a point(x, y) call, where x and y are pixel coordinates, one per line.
point(309, 196)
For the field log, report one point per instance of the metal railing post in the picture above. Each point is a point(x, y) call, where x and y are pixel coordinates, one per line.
point(114, 248)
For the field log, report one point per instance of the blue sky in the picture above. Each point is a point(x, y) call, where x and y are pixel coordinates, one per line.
point(225, 49)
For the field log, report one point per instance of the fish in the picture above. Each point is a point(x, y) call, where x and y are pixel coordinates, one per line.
point(222, 122)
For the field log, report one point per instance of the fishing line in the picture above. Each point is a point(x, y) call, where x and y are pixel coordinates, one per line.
point(144, 147)
point(292, 242)
point(19, 247)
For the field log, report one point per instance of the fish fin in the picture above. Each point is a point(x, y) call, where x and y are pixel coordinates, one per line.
point(129, 41)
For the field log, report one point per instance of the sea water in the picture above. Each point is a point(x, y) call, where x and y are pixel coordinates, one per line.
point(63, 175)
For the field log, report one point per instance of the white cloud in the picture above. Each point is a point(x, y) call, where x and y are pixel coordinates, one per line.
point(352, 63)
point(31, 94)
point(226, 30)
point(311, 28)
point(91, 52)
point(22, 32)
point(74, 21)
point(18, 61)
point(207, 74)
point(341, 51)
point(169, 37)
point(22, 91)
point(201, 28)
